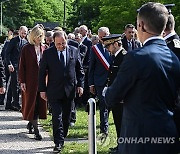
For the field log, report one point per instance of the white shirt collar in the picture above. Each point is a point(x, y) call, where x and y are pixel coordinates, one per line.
point(152, 38)
point(169, 35)
point(84, 38)
point(117, 52)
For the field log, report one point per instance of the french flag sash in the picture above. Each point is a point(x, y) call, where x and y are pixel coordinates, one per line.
point(101, 57)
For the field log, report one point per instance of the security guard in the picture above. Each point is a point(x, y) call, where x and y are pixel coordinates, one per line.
point(114, 45)
point(173, 42)
point(172, 39)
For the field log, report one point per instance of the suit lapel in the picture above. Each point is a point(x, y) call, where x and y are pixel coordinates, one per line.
point(67, 55)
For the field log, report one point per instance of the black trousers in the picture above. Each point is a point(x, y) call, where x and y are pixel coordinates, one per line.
point(61, 111)
point(15, 88)
point(117, 111)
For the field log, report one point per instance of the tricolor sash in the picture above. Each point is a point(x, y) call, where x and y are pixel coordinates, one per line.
point(101, 57)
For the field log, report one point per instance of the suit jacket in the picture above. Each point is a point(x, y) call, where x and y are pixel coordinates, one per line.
point(97, 72)
point(147, 82)
point(87, 42)
point(83, 51)
point(114, 67)
point(73, 43)
point(60, 81)
point(4, 49)
point(135, 43)
point(13, 51)
point(173, 43)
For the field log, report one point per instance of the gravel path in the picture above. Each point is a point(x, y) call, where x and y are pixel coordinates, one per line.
point(14, 137)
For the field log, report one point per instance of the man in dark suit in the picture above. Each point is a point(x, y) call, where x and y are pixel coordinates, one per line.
point(82, 51)
point(129, 42)
point(147, 82)
point(173, 42)
point(8, 97)
point(83, 30)
point(62, 65)
point(12, 59)
point(172, 39)
point(98, 70)
point(114, 45)
point(82, 48)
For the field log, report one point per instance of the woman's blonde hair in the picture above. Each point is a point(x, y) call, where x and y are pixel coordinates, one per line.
point(36, 31)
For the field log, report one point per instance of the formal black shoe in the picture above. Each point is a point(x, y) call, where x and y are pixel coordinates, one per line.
point(113, 150)
point(57, 148)
point(38, 137)
point(30, 128)
point(16, 108)
point(8, 108)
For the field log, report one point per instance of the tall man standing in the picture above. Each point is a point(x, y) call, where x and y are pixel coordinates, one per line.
point(62, 64)
point(83, 30)
point(147, 82)
point(98, 72)
point(114, 45)
point(12, 59)
point(173, 42)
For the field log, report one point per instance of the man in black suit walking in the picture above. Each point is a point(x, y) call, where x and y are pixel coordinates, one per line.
point(63, 66)
point(12, 60)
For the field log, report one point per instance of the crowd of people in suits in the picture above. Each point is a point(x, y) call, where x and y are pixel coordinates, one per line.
point(134, 76)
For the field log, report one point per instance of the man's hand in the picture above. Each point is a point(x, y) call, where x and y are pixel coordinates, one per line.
point(23, 87)
point(2, 90)
point(92, 89)
point(104, 91)
point(80, 91)
point(11, 68)
point(43, 95)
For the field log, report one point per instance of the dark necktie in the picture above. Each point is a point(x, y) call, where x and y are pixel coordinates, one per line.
point(62, 59)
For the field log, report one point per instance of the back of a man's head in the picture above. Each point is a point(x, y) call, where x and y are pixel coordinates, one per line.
point(170, 23)
point(154, 16)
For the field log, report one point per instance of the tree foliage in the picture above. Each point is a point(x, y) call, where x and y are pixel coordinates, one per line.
point(114, 14)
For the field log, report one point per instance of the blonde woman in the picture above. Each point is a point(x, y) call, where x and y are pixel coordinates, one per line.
point(33, 107)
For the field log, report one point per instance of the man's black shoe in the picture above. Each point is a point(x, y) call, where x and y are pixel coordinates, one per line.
point(38, 137)
point(57, 148)
point(9, 108)
point(113, 150)
point(16, 108)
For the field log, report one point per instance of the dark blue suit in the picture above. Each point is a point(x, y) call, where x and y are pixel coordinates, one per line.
point(60, 86)
point(87, 42)
point(147, 82)
point(12, 56)
point(97, 77)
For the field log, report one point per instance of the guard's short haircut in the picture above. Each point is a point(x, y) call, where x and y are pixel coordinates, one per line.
point(170, 23)
point(59, 34)
point(155, 16)
point(129, 26)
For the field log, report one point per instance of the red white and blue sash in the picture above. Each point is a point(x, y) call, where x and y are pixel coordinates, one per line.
point(101, 57)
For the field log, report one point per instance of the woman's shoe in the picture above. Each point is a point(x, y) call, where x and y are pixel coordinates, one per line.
point(38, 137)
point(30, 128)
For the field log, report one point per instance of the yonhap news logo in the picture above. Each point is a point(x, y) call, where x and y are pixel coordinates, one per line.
point(145, 140)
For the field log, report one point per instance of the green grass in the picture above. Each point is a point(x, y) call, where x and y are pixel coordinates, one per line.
point(80, 130)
